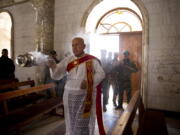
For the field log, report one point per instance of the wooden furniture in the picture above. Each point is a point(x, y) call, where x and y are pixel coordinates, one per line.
point(16, 85)
point(20, 101)
point(2, 82)
point(150, 122)
point(14, 121)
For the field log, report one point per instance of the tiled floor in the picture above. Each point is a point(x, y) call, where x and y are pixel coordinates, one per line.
point(110, 117)
point(54, 125)
point(44, 126)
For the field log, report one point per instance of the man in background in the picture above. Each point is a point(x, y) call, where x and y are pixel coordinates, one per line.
point(125, 67)
point(106, 64)
point(47, 78)
point(114, 78)
point(7, 66)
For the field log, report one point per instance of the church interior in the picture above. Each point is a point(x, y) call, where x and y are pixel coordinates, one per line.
point(148, 29)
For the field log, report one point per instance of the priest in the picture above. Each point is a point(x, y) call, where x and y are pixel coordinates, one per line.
point(82, 94)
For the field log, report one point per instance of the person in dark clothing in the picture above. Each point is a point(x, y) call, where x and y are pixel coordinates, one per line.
point(7, 66)
point(47, 79)
point(106, 62)
point(126, 67)
point(114, 78)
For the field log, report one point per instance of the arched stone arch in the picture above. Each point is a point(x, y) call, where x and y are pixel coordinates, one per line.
point(145, 41)
point(88, 11)
point(145, 46)
point(115, 9)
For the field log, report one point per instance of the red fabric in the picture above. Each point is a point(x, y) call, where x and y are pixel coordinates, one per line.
point(73, 64)
point(99, 111)
point(70, 66)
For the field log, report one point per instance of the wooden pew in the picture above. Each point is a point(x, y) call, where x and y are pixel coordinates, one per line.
point(5, 84)
point(16, 120)
point(2, 82)
point(16, 85)
point(150, 122)
point(19, 101)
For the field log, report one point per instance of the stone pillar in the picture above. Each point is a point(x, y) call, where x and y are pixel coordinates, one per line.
point(44, 40)
point(44, 24)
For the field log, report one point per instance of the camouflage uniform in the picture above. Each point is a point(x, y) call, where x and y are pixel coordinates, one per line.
point(125, 68)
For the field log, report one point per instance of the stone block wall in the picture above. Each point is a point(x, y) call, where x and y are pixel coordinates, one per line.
point(23, 17)
point(163, 86)
point(68, 19)
point(163, 53)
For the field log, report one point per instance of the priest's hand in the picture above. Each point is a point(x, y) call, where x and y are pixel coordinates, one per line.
point(51, 63)
point(84, 84)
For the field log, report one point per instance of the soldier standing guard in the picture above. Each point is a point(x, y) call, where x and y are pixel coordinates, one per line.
point(126, 67)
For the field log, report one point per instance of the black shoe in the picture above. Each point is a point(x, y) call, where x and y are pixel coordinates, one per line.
point(104, 109)
point(118, 108)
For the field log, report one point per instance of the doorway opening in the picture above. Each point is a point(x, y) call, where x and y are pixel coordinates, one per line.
point(110, 43)
point(5, 32)
point(114, 27)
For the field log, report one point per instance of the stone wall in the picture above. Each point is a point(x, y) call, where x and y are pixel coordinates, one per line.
point(68, 19)
point(163, 53)
point(23, 17)
point(163, 76)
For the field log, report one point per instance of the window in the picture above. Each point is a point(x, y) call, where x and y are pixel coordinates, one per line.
point(119, 20)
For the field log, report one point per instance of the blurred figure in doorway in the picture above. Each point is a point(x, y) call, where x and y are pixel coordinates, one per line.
point(114, 78)
point(106, 64)
point(125, 67)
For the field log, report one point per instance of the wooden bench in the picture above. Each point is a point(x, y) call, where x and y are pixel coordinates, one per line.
point(6, 81)
point(150, 122)
point(16, 85)
point(21, 100)
point(16, 120)
point(5, 86)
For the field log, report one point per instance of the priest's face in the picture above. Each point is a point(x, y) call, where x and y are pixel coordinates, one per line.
point(78, 46)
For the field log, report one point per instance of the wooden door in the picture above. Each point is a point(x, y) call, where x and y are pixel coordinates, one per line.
point(132, 41)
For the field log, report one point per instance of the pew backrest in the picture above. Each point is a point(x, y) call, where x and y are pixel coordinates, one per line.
point(16, 85)
point(21, 92)
point(16, 120)
point(123, 126)
point(150, 122)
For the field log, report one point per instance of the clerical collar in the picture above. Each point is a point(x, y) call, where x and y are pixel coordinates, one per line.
point(80, 55)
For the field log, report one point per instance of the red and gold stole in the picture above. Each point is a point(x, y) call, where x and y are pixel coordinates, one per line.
point(79, 61)
point(88, 101)
point(89, 71)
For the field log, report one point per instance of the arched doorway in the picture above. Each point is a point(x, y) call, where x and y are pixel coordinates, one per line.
point(6, 32)
point(117, 27)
